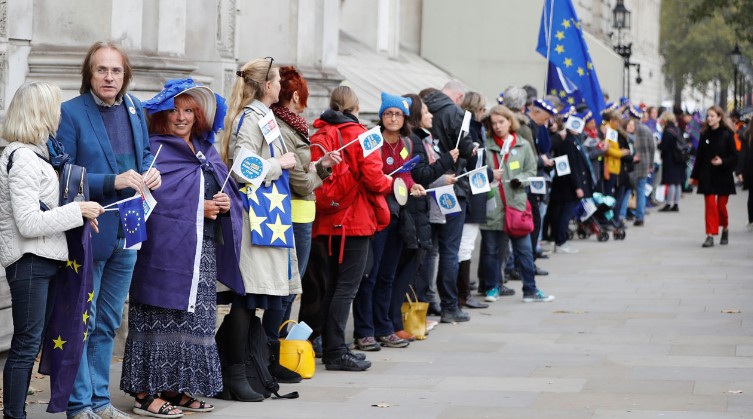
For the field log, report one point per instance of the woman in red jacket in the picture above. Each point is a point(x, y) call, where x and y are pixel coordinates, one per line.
point(350, 209)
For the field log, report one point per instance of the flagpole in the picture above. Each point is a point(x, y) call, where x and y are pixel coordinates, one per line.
point(226, 179)
point(120, 202)
point(548, 44)
point(354, 141)
point(472, 171)
point(154, 159)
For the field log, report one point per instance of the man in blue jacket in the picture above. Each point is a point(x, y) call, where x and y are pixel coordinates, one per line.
point(104, 130)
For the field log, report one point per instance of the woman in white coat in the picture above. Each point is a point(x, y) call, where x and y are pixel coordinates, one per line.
point(32, 239)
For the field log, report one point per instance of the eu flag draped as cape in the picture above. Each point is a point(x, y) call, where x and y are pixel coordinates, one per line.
point(561, 40)
point(167, 263)
point(66, 332)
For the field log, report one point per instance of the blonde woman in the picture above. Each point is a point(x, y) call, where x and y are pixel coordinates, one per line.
point(269, 273)
point(32, 240)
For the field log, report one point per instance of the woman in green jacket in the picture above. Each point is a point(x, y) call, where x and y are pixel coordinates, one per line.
point(513, 163)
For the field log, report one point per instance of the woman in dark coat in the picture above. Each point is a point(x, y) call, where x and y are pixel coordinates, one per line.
point(673, 169)
point(715, 160)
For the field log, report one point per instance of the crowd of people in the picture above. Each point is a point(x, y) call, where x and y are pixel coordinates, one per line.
point(331, 225)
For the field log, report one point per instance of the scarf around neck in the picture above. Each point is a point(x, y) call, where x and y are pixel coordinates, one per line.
point(298, 123)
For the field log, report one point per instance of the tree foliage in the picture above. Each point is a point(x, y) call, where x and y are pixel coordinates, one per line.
point(736, 13)
point(696, 50)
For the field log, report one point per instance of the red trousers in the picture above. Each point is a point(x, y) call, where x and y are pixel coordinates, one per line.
point(716, 213)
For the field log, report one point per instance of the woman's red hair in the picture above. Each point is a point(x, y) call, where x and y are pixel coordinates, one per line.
point(291, 81)
point(159, 125)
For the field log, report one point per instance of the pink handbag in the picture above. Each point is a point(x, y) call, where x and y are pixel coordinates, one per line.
point(517, 223)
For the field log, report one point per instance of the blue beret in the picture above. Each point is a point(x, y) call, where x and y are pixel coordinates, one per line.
point(612, 106)
point(394, 101)
point(546, 106)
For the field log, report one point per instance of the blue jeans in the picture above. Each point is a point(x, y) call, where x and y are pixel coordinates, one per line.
point(447, 237)
point(29, 280)
point(112, 279)
point(521, 247)
point(640, 198)
point(493, 251)
point(363, 304)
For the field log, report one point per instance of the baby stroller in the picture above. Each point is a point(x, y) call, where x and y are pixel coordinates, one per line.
point(594, 216)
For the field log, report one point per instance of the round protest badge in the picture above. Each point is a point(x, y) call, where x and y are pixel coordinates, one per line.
point(447, 201)
point(132, 110)
point(251, 167)
point(562, 166)
point(400, 191)
point(390, 160)
point(371, 142)
point(478, 180)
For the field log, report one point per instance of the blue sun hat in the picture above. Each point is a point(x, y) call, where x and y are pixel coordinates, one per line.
point(214, 105)
point(394, 101)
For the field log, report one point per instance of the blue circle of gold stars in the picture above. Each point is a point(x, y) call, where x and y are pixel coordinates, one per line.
point(130, 217)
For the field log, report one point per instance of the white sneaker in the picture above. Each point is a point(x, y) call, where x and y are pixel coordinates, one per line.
point(565, 248)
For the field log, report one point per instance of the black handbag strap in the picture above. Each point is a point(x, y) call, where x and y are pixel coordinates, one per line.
point(42, 205)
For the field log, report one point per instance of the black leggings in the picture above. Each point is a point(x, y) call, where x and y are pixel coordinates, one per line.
point(750, 205)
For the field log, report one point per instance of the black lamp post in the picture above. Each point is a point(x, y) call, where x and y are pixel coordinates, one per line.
point(736, 56)
point(620, 22)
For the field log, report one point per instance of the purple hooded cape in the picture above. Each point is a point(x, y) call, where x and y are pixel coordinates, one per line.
point(167, 266)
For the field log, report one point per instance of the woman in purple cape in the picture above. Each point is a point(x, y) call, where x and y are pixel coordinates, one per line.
point(194, 235)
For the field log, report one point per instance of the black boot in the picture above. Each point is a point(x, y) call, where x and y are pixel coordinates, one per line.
point(236, 386)
point(282, 374)
point(725, 237)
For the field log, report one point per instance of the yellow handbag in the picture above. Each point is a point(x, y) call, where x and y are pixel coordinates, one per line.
point(414, 316)
point(297, 355)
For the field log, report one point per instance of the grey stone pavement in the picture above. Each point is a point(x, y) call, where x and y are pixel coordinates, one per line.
point(650, 327)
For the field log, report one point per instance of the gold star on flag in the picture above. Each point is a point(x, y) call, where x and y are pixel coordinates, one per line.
point(560, 35)
point(577, 23)
point(590, 65)
point(581, 72)
point(86, 335)
point(568, 62)
point(255, 222)
point(275, 199)
point(560, 49)
point(72, 264)
point(59, 343)
point(278, 230)
point(250, 192)
point(570, 100)
point(566, 23)
point(553, 92)
point(563, 93)
point(91, 297)
point(86, 316)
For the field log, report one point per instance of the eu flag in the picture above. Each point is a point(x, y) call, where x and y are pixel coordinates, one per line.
point(270, 212)
point(561, 40)
point(559, 85)
point(132, 218)
point(409, 165)
point(67, 332)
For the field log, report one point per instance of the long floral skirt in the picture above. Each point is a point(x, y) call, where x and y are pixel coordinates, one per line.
point(174, 350)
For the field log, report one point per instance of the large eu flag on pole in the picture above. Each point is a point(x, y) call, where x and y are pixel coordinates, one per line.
point(559, 85)
point(67, 331)
point(561, 40)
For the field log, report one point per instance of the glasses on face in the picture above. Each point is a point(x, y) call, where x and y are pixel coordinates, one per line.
point(390, 114)
point(271, 60)
point(115, 71)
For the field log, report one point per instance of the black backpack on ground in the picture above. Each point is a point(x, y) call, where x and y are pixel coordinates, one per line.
point(257, 360)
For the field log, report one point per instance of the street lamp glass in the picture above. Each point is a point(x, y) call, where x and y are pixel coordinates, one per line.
point(736, 55)
point(620, 16)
